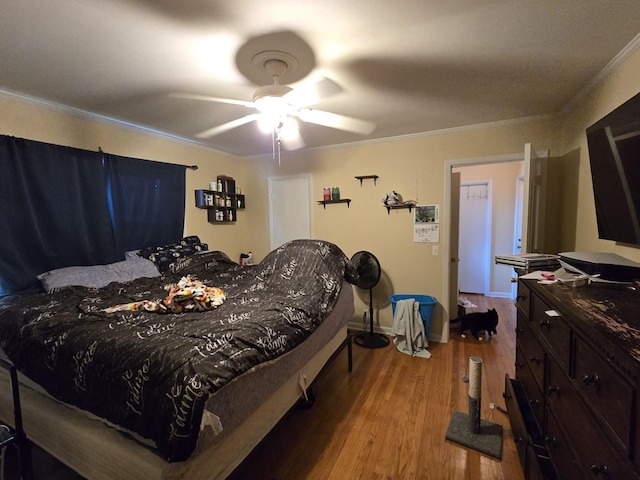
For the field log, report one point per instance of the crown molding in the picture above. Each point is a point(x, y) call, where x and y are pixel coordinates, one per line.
point(105, 120)
point(618, 60)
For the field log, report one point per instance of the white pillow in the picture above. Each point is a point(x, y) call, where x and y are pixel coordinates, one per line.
point(97, 276)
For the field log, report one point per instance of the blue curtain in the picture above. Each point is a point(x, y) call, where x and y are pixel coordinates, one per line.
point(147, 201)
point(54, 211)
point(64, 206)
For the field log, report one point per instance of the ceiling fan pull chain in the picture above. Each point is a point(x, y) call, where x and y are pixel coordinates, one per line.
point(279, 145)
point(273, 143)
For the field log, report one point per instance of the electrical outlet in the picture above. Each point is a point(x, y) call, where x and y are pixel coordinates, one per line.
point(435, 250)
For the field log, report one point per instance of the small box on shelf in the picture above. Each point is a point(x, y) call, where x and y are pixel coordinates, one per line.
point(228, 184)
point(202, 196)
point(221, 204)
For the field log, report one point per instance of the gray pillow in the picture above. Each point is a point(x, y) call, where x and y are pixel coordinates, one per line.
point(96, 276)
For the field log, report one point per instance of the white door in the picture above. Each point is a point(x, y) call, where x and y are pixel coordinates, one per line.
point(289, 208)
point(517, 232)
point(474, 250)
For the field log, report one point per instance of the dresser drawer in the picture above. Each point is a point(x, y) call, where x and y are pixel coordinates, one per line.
point(560, 451)
point(605, 390)
point(532, 351)
point(595, 455)
point(523, 300)
point(514, 396)
point(531, 386)
point(554, 330)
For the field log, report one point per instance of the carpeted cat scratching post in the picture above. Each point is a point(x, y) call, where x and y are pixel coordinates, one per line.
point(469, 430)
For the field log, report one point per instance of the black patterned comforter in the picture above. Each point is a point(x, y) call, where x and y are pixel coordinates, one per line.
point(152, 373)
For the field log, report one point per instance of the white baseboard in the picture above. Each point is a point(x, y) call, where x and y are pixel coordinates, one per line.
point(500, 295)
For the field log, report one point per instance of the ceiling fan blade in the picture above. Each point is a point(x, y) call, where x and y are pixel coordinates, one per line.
point(310, 93)
point(335, 120)
point(208, 98)
point(212, 132)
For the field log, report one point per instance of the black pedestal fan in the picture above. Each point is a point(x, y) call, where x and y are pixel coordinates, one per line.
point(368, 269)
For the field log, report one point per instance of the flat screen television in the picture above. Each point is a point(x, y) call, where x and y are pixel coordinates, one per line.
point(614, 155)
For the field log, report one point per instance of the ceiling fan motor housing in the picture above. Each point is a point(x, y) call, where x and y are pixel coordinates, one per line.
point(269, 98)
point(276, 91)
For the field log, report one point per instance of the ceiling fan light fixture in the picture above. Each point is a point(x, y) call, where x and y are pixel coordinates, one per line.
point(271, 105)
point(289, 128)
point(268, 123)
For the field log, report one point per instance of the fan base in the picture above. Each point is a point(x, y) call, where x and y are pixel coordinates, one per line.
point(371, 340)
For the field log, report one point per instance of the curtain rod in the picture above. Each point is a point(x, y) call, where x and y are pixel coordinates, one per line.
point(190, 167)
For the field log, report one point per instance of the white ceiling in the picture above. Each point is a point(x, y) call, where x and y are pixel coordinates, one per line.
point(410, 66)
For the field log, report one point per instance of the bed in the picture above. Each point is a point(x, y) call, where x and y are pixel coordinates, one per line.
point(116, 387)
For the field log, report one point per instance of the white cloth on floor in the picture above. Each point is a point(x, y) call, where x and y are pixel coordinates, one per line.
point(408, 330)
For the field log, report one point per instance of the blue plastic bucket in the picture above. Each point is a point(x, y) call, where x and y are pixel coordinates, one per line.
point(426, 302)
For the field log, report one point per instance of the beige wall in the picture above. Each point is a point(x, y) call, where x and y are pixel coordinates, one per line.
point(620, 85)
point(413, 166)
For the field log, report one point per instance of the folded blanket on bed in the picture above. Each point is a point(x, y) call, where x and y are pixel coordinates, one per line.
point(187, 294)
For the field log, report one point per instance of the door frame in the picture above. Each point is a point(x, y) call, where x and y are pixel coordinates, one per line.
point(517, 225)
point(446, 230)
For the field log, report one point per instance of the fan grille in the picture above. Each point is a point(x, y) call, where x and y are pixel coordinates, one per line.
point(368, 269)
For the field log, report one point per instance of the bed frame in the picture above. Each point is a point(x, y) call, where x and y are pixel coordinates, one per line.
point(99, 452)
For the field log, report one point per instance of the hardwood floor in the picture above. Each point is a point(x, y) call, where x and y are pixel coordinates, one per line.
point(388, 418)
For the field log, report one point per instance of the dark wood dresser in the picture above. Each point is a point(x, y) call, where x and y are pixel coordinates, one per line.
point(574, 405)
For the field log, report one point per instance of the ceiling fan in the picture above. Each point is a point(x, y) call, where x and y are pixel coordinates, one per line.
point(279, 107)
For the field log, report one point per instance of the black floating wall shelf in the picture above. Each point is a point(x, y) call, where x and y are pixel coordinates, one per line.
point(365, 177)
point(398, 207)
point(324, 203)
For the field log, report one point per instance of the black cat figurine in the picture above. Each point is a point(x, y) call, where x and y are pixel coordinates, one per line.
point(477, 322)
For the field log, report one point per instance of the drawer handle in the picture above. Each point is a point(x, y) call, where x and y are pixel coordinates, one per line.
point(520, 441)
point(536, 359)
point(519, 365)
point(591, 379)
point(550, 440)
point(599, 468)
point(544, 323)
point(521, 297)
point(553, 389)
